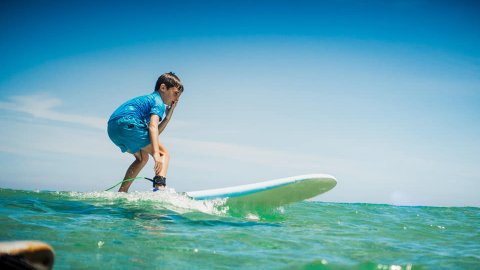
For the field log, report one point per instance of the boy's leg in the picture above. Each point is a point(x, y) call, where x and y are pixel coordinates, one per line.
point(166, 159)
point(163, 153)
point(141, 158)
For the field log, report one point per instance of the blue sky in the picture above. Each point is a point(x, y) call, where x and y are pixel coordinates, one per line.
point(383, 95)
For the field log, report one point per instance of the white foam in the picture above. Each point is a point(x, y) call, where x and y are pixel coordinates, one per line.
point(167, 199)
point(252, 217)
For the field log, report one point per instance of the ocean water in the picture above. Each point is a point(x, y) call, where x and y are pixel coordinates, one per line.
point(166, 230)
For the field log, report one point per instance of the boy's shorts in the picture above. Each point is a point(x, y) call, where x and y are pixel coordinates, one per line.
point(129, 133)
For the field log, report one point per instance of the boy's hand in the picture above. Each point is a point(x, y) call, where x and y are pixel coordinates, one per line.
point(158, 163)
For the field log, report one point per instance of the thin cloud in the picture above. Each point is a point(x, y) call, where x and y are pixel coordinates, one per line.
point(45, 108)
point(250, 154)
point(53, 139)
point(40, 106)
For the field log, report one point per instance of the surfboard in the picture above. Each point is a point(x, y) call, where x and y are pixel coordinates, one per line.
point(276, 192)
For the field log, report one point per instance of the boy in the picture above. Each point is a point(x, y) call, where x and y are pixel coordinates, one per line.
point(136, 125)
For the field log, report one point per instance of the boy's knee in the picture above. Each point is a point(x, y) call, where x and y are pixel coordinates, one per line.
point(142, 157)
point(166, 154)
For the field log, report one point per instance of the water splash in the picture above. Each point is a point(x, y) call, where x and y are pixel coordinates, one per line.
point(180, 203)
point(167, 199)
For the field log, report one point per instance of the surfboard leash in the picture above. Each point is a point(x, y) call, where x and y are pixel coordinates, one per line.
point(127, 180)
point(156, 181)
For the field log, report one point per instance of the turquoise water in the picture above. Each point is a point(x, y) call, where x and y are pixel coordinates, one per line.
point(169, 231)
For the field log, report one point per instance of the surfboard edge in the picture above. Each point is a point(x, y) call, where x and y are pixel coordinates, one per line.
point(241, 190)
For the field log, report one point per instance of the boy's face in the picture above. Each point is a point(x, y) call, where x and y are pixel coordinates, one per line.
point(169, 95)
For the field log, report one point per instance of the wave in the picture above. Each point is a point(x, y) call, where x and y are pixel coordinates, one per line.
point(164, 201)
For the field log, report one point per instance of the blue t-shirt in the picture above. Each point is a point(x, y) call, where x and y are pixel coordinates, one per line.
point(141, 108)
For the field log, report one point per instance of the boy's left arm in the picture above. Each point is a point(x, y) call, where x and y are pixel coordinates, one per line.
point(165, 121)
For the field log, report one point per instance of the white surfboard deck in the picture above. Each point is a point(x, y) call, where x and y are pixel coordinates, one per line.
point(271, 193)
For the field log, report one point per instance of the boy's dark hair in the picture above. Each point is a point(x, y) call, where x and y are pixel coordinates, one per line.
point(170, 80)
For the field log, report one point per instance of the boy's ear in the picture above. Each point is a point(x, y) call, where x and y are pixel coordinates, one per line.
point(163, 87)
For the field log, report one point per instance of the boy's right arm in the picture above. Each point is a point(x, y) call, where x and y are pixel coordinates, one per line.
point(153, 132)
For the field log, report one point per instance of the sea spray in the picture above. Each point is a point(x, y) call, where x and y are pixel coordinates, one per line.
point(167, 199)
